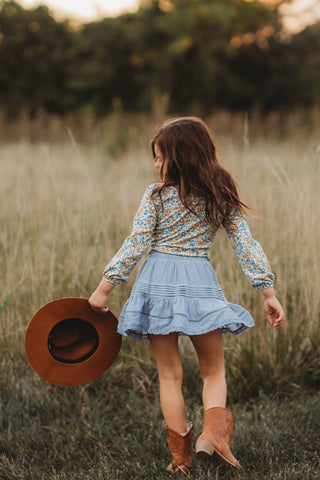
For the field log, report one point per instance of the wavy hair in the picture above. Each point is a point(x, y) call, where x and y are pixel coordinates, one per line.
point(191, 164)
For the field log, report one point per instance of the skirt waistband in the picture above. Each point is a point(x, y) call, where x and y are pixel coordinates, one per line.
point(175, 256)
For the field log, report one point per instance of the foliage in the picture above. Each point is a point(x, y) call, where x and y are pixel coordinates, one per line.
point(201, 54)
point(33, 50)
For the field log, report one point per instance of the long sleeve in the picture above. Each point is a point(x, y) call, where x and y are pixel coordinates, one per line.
point(118, 269)
point(250, 255)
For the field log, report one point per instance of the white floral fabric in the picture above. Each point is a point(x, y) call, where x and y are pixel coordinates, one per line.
point(166, 226)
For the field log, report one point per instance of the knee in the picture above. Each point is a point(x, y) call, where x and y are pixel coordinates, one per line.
point(171, 374)
point(213, 370)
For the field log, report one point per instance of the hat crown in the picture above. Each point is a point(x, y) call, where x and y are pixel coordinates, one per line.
point(73, 340)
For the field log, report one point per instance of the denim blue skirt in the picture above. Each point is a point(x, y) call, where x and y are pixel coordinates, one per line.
point(175, 293)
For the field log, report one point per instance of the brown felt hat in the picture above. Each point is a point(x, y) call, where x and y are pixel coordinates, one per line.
point(67, 343)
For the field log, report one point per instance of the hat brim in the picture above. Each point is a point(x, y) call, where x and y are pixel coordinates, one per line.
point(68, 374)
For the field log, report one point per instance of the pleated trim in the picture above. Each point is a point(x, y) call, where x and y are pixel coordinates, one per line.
point(144, 315)
point(170, 291)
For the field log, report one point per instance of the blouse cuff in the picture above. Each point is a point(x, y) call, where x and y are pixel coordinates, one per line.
point(114, 281)
point(263, 284)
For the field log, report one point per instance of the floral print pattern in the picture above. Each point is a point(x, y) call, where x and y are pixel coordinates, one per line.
point(166, 226)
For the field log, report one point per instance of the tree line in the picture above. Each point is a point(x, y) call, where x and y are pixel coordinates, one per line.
point(200, 54)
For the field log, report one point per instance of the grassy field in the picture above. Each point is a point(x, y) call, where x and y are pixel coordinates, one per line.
point(66, 207)
point(112, 429)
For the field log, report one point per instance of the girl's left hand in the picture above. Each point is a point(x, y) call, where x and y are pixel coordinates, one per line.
point(274, 311)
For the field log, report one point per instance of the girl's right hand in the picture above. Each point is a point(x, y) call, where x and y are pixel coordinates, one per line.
point(273, 308)
point(98, 299)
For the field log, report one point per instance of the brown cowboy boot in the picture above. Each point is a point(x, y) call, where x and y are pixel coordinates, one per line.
point(181, 450)
point(218, 427)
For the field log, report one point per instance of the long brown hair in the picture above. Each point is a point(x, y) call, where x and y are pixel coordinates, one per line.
point(190, 163)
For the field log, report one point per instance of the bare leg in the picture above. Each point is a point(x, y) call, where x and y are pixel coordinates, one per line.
point(209, 348)
point(166, 353)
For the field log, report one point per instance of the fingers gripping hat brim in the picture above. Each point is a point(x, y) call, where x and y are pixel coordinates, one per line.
point(67, 343)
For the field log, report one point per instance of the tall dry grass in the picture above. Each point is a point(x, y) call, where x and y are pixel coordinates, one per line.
point(67, 207)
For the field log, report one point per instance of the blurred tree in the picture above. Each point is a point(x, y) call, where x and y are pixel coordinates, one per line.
point(281, 71)
point(103, 64)
point(195, 62)
point(201, 54)
point(179, 47)
point(294, 71)
point(33, 52)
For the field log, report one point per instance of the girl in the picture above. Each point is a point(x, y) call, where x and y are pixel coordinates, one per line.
point(176, 291)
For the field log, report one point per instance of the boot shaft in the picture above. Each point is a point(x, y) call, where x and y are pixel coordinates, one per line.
point(220, 421)
point(180, 446)
point(218, 428)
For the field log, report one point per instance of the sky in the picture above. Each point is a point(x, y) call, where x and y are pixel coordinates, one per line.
point(300, 13)
point(297, 13)
point(86, 10)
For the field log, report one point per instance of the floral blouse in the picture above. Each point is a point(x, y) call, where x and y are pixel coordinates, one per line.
point(166, 226)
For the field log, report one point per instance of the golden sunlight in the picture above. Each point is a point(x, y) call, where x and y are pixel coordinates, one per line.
point(88, 10)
